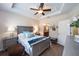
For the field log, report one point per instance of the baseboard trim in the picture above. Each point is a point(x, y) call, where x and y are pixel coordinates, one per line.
point(60, 44)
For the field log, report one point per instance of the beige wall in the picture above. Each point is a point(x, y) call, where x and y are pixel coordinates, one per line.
point(52, 21)
point(8, 19)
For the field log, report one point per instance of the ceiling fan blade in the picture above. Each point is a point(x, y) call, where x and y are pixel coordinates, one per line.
point(43, 14)
point(33, 9)
point(13, 5)
point(36, 13)
point(41, 5)
point(46, 9)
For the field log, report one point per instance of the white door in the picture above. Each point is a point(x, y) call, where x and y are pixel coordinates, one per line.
point(63, 31)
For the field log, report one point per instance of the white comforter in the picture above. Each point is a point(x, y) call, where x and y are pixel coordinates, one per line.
point(25, 43)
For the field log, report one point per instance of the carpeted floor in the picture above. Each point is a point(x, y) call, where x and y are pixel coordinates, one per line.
point(54, 50)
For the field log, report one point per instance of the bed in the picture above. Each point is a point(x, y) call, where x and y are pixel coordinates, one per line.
point(34, 45)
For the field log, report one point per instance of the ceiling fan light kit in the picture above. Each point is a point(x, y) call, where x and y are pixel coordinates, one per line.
point(40, 11)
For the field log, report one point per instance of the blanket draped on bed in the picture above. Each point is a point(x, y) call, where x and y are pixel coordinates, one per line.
point(35, 40)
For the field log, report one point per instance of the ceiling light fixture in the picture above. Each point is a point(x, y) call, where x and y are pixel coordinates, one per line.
point(40, 11)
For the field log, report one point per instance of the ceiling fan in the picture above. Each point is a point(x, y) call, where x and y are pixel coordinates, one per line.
point(13, 5)
point(40, 10)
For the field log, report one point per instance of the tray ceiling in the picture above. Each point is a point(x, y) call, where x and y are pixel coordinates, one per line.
point(24, 8)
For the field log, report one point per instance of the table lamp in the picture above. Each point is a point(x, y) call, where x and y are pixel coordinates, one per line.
point(11, 31)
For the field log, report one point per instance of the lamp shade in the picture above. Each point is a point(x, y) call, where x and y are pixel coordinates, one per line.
point(11, 29)
point(35, 29)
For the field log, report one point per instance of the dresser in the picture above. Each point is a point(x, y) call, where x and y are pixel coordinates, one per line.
point(7, 42)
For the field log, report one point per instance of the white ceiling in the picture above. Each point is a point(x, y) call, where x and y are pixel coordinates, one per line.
point(24, 8)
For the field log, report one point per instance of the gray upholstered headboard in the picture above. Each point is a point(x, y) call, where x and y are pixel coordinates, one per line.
point(20, 29)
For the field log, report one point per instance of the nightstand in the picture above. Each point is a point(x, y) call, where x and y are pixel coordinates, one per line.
point(37, 33)
point(7, 42)
point(53, 40)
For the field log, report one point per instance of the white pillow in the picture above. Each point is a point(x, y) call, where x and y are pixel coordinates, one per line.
point(21, 36)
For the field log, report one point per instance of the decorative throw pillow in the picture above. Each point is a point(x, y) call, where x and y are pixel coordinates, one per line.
point(28, 34)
